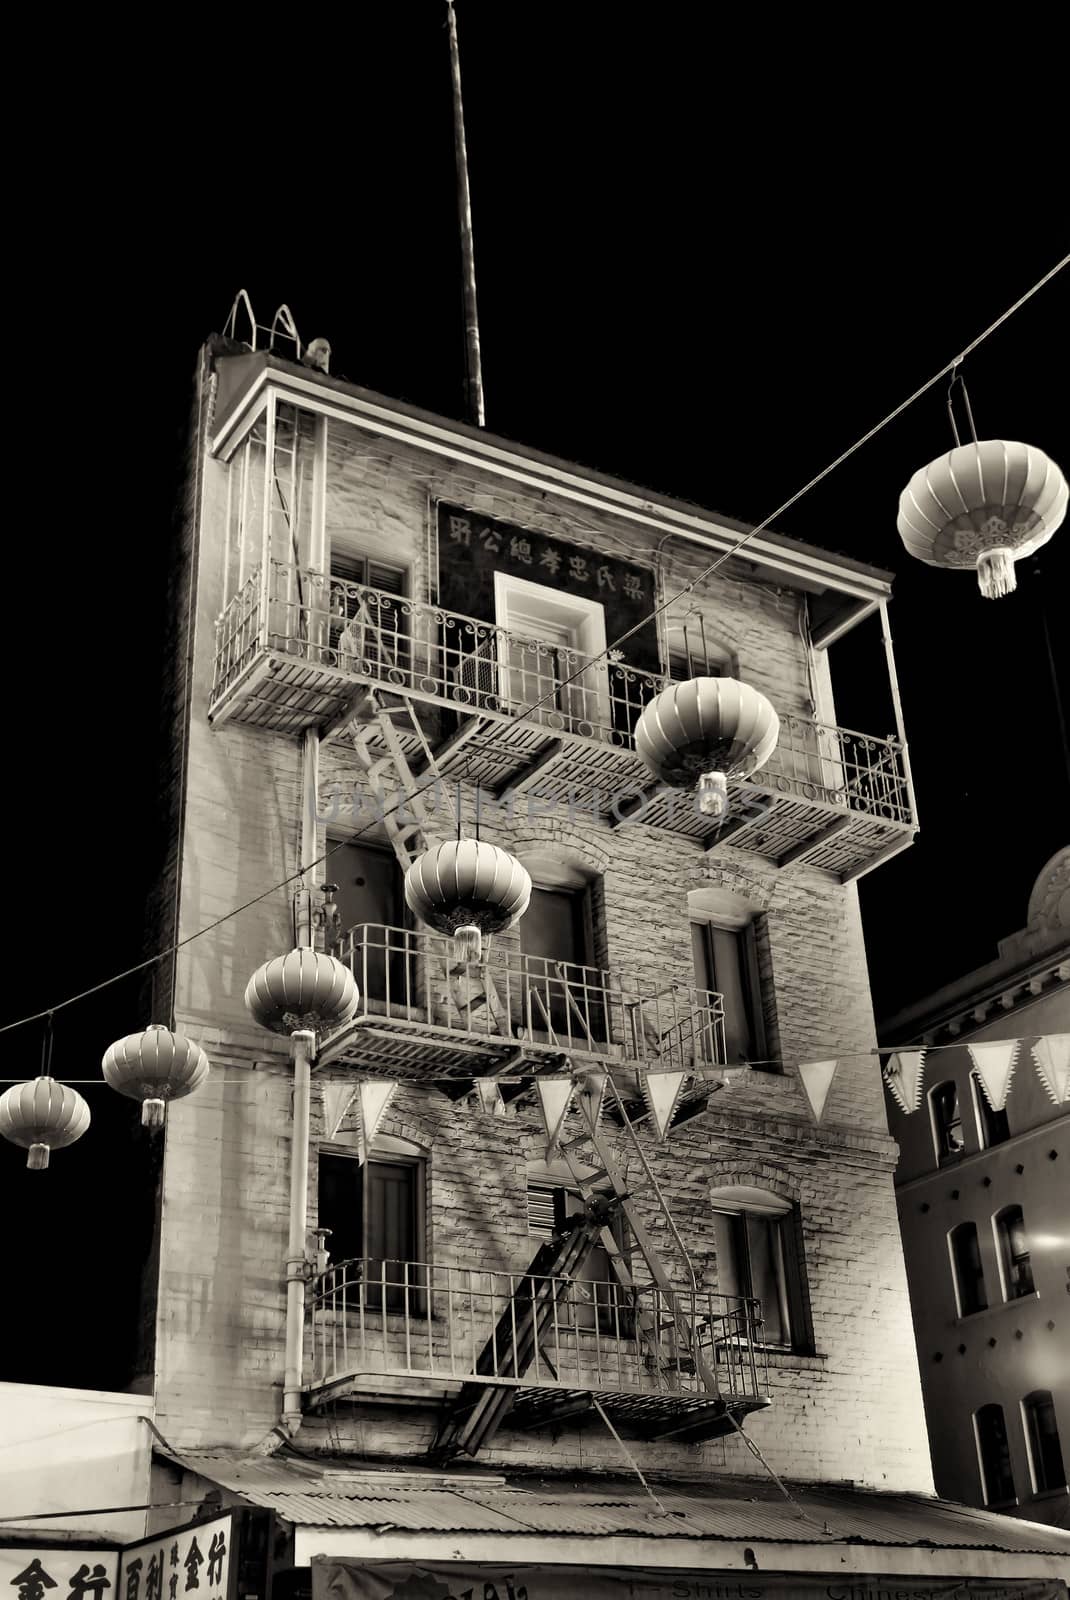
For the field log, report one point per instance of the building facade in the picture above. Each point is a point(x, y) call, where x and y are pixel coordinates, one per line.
point(579, 1225)
point(984, 1202)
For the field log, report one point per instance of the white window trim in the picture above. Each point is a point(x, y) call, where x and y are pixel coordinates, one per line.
point(588, 619)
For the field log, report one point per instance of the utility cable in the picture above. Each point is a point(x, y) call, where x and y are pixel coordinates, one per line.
point(526, 711)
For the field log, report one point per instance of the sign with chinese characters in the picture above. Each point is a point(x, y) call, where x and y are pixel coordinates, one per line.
point(472, 547)
point(191, 1563)
point(64, 1573)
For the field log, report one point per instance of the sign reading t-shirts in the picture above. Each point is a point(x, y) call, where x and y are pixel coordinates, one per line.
point(472, 547)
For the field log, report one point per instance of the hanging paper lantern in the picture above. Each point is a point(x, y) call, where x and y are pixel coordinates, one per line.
point(42, 1115)
point(705, 731)
point(985, 504)
point(467, 888)
point(304, 989)
point(154, 1067)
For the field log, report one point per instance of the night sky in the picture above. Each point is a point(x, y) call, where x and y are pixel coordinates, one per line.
point(704, 266)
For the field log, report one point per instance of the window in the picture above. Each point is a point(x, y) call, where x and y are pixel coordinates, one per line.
point(557, 941)
point(603, 1303)
point(993, 1449)
point(992, 1125)
point(371, 903)
point(550, 633)
point(1014, 1258)
point(375, 1214)
point(1042, 1437)
point(726, 962)
point(946, 1120)
point(692, 653)
point(369, 625)
point(968, 1271)
point(759, 1256)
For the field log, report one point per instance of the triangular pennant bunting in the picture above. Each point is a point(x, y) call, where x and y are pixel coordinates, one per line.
point(490, 1097)
point(995, 1068)
point(337, 1099)
point(592, 1094)
point(1052, 1056)
point(903, 1075)
point(816, 1078)
point(375, 1095)
point(661, 1091)
point(554, 1096)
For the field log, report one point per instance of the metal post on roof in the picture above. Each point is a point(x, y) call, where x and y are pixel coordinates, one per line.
point(473, 362)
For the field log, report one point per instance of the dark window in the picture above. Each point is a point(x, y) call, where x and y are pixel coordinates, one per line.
point(1045, 1453)
point(604, 1301)
point(1014, 1253)
point(947, 1121)
point(368, 622)
point(726, 962)
point(760, 1257)
point(997, 1479)
point(564, 992)
point(371, 903)
point(994, 1128)
point(373, 1214)
point(969, 1272)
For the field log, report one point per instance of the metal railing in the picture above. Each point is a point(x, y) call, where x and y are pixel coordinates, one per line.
point(409, 646)
point(415, 976)
point(415, 1319)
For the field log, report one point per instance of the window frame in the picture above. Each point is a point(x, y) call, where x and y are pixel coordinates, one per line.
point(944, 1154)
point(1009, 1263)
point(983, 1113)
point(582, 616)
point(960, 1230)
point(1029, 1405)
point(749, 967)
point(992, 1409)
point(789, 1257)
point(396, 1152)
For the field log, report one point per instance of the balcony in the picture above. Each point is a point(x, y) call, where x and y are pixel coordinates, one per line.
point(415, 1330)
point(425, 1016)
point(295, 648)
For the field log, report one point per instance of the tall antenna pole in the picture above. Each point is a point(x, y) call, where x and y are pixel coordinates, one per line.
point(472, 362)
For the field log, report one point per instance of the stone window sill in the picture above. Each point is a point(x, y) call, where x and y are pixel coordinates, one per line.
point(972, 1317)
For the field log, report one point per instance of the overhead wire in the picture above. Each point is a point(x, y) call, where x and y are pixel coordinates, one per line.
point(527, 711)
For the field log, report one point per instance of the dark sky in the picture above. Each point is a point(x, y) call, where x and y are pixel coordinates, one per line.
point(706, 263)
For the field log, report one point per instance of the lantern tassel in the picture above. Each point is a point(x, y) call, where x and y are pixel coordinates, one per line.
point(713, 794)
point(468, 942)
point(37, 1160)
point(995, 573)
point(152, 1113)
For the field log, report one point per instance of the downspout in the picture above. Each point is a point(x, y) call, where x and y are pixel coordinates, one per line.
point(304, 1045)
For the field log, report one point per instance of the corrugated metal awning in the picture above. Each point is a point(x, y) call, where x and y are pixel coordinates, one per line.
point(340, 1493)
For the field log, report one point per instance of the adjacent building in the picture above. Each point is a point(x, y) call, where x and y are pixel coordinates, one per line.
point(601, 1281)
point(984, 1208)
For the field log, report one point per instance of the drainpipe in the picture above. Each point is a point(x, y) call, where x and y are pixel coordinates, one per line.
point(304, 1044)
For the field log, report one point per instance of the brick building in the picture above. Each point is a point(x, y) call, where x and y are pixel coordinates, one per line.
point(374, 608)
point(984, 1199)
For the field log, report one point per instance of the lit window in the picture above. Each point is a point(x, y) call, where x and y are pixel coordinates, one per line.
point(992, 1125)
point(1014, 1253)
point(1042, 1436)
point(759, 1257)
point(993, 1448)
point(968, 1269)
point(947, 1120)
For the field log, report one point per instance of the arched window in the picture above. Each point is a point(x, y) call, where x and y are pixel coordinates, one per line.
point(968, 1269)
point(992, 1125)
point(693, 652)
point(759, 1256)
point(993, 1449)
point(727, 939)
point(946, 1120)
point(1042, 1437)
point(1014, 1259)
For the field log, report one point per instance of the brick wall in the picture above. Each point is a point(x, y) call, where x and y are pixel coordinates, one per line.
point(846, 1412)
